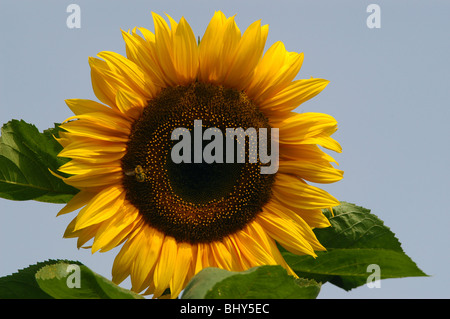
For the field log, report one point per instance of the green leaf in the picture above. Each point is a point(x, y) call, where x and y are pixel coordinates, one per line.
point(26, 156)
point(71, 281)
point(356, 240)
point(264, 282)
point(60, 279)
point(23, 284)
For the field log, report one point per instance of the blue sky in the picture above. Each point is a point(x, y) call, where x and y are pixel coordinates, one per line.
point(389, 90)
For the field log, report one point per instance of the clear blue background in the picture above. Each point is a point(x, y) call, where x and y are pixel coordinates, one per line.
point(389, 92)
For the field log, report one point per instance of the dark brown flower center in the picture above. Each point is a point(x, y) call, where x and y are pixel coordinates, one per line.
point(198, 201)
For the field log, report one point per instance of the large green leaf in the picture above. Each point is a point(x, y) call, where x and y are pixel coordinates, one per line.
point(357, 243)
point(60, 279)
point(23, 284)
point(71, 281)
point(264, 282)
point(26, 156)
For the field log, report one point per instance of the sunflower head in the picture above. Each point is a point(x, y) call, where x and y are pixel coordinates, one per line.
point(215, 207)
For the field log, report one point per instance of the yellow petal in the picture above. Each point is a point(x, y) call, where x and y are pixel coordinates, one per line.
point(308, 153)
point(83, 147)
point(149, 245)
point(311, 172)
point(86, 234)
point(293, 236)
point(124, 260)
point(142, 53)
point(313, 217)
point(101, 207)
point(293, 95)
point(87, 129)
point(199, 264)
point(274, 72)
point(301, 126)
point(81, 106)
point(296, 193)
point(323, 140)
point(217, 48)
point(166, 265)
point(76, 167)
point(129, 104)
point(260, 234)
point(185, 53)
point(115, 229)
point(102, 177)
point(78, 201)
point(183, 263)
point(221, 255)
point(108, 121)
point(209, 47)
point(247, 55)
point(164, 49)
point(148, 35)
point(103, 89)
point(307, 124)
point(253, 250)
point(119, 73)
point(133, 75)
point(240, 261)
point(96, 159)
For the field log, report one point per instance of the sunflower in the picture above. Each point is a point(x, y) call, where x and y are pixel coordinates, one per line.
point(172, 220)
